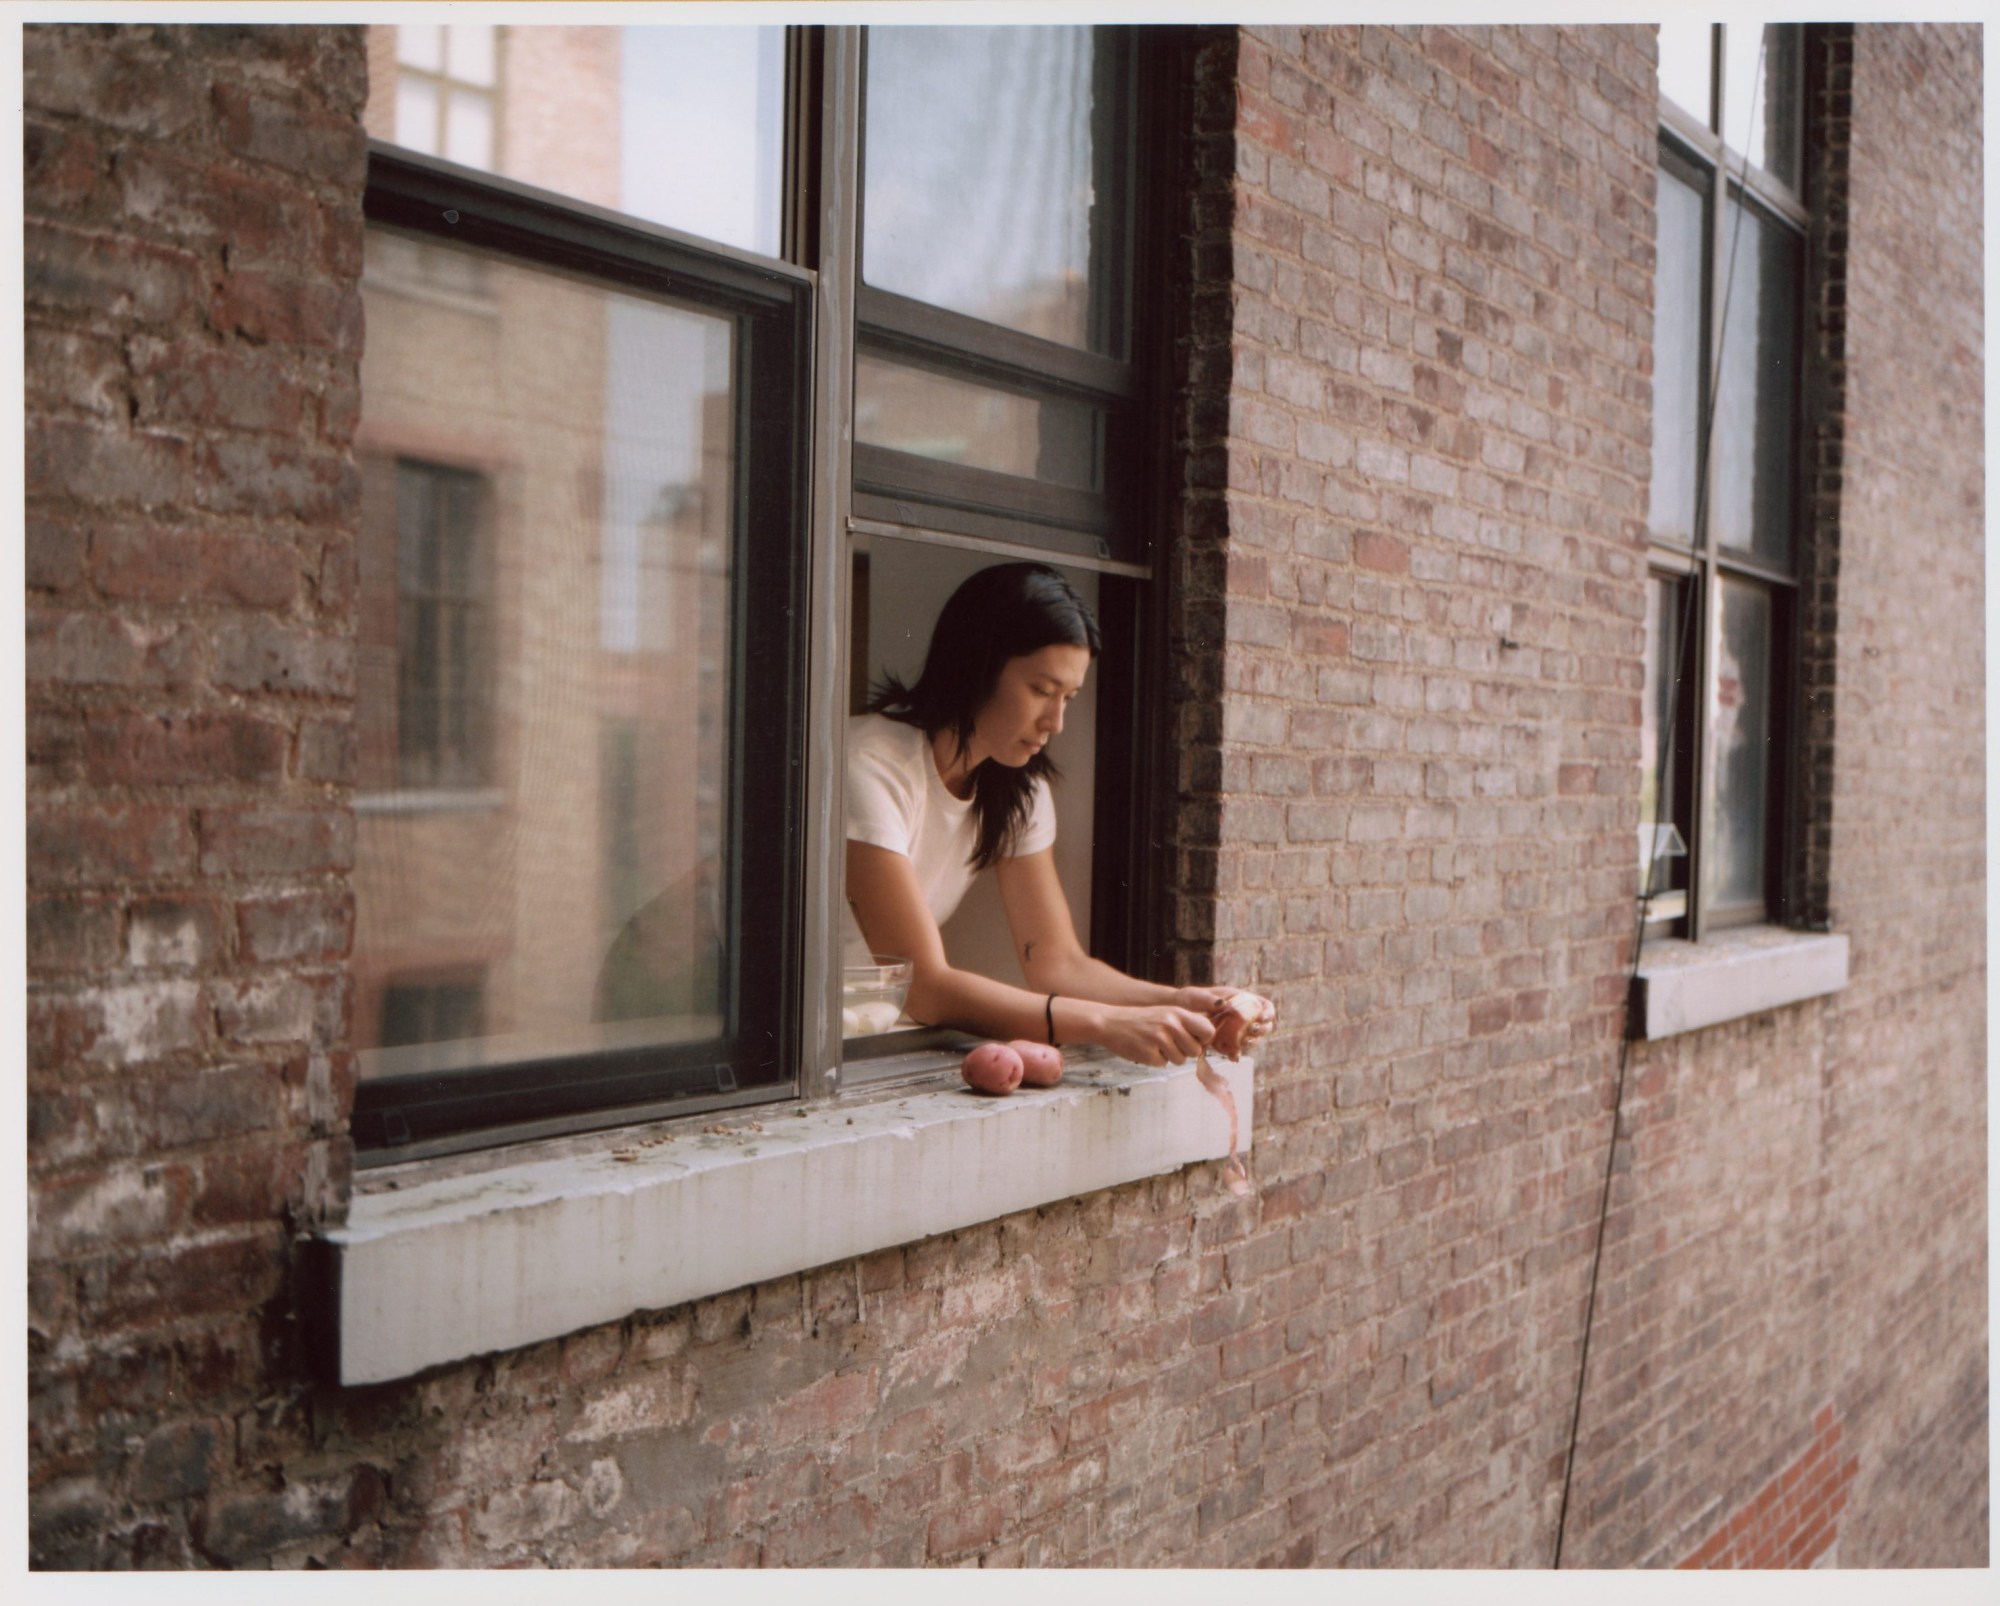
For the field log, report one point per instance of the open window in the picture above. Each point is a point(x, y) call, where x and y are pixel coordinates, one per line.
point(701, 343)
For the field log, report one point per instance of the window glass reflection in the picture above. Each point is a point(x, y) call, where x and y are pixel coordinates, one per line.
point(678, 126)
point(1761, 112)
point(1733, 863)
point(953, 420)
point(1756, 406)
point(542, 854)
point(1660, 757)
point(993, 139)
point(1678, 345)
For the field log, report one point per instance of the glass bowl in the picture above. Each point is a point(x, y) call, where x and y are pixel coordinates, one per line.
point(871, 995)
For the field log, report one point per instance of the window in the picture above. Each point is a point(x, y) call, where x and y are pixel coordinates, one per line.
point(432, 1012)
point(443, 612)
point(993, 382)
point(712, 368)
point(1724, 504)
point(445, 82)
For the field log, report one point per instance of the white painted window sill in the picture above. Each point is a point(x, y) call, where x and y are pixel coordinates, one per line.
point(440, 1260)
point(1684, 986)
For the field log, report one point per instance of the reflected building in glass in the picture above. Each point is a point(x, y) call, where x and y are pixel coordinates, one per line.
point(544, 595)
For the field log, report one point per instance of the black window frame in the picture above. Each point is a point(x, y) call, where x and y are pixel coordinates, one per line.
point(1691, 148)
point(401, 1117)
point(796, 856)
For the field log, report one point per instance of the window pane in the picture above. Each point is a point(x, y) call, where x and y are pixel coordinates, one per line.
point(443, 627)
point(470, 58)
point(1732, 866)
point(420, 45)
point(955, 421)
point(982, 192)
point(679, 126)
point(417, 115)
point(582, 439)
point(1755, 443)
point(701, 135)
point(1678, 347)
point(468, 128)
point(1760, 96)
point(1660, 755)
point(1687, 67)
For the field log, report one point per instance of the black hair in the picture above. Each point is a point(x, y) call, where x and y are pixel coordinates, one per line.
point(1000, 613)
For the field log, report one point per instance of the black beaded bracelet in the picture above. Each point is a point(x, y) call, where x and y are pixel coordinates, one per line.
point(1049, 1017)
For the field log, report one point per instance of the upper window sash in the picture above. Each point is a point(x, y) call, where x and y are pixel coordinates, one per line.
point(1733, 94)
point(995, 396)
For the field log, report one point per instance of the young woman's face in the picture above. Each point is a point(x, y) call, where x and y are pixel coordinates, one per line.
point(1027, 706)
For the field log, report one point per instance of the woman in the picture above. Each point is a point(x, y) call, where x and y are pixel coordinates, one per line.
point(949, 776)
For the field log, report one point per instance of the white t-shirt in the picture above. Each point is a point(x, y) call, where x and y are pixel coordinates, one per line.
point(896, 800)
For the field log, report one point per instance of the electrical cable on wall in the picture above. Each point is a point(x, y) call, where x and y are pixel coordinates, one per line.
point(1664, 756)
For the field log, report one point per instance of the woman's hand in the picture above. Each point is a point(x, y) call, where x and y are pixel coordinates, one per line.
point(1151, 1034)
point(1243, 1019)
point(1204, 1001)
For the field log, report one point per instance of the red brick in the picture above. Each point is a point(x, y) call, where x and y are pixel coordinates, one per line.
point(280, 132)
point(196, 383)
point(309, 927)
point(74, 934)
point(163, 750)
point(88, 649)
point(183, 1282)
point(55, 553)
point(174, 563)
point(107, 845)
point(70, 270)
point(966, 1525)
point(261, 656)
point(290, 310)
point(276, 841)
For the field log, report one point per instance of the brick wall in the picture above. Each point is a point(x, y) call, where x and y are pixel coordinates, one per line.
point(193, 237)
point(1798, 1218)
point(1407, 622)
point(1419, 788)
point(1905, 1101)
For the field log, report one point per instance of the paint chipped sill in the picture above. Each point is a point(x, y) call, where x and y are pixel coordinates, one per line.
point(439, 1261)
point(1684, 986)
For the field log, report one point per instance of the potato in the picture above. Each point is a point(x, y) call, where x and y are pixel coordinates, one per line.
point(1241, 1017)
point(1041, 1063)
point(992, 1068)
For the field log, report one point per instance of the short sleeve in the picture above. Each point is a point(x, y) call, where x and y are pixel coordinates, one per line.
point(881, 799)
point(1038, 830)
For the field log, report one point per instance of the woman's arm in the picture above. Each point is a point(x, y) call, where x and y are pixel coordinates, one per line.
point(1146, 1026)
point(1053, 959)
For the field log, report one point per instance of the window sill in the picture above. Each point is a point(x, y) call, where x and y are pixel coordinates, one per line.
point(442, 1260)
point(439, 800)
point(1685, 986)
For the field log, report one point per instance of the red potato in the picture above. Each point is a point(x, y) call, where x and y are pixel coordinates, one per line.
point(993, 1068)
point(1240, 1020)
point(1041, 1063)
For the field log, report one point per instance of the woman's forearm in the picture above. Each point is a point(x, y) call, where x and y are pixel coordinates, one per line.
point(974, 1003)
point(1145, 1025)
point(1081, 977)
